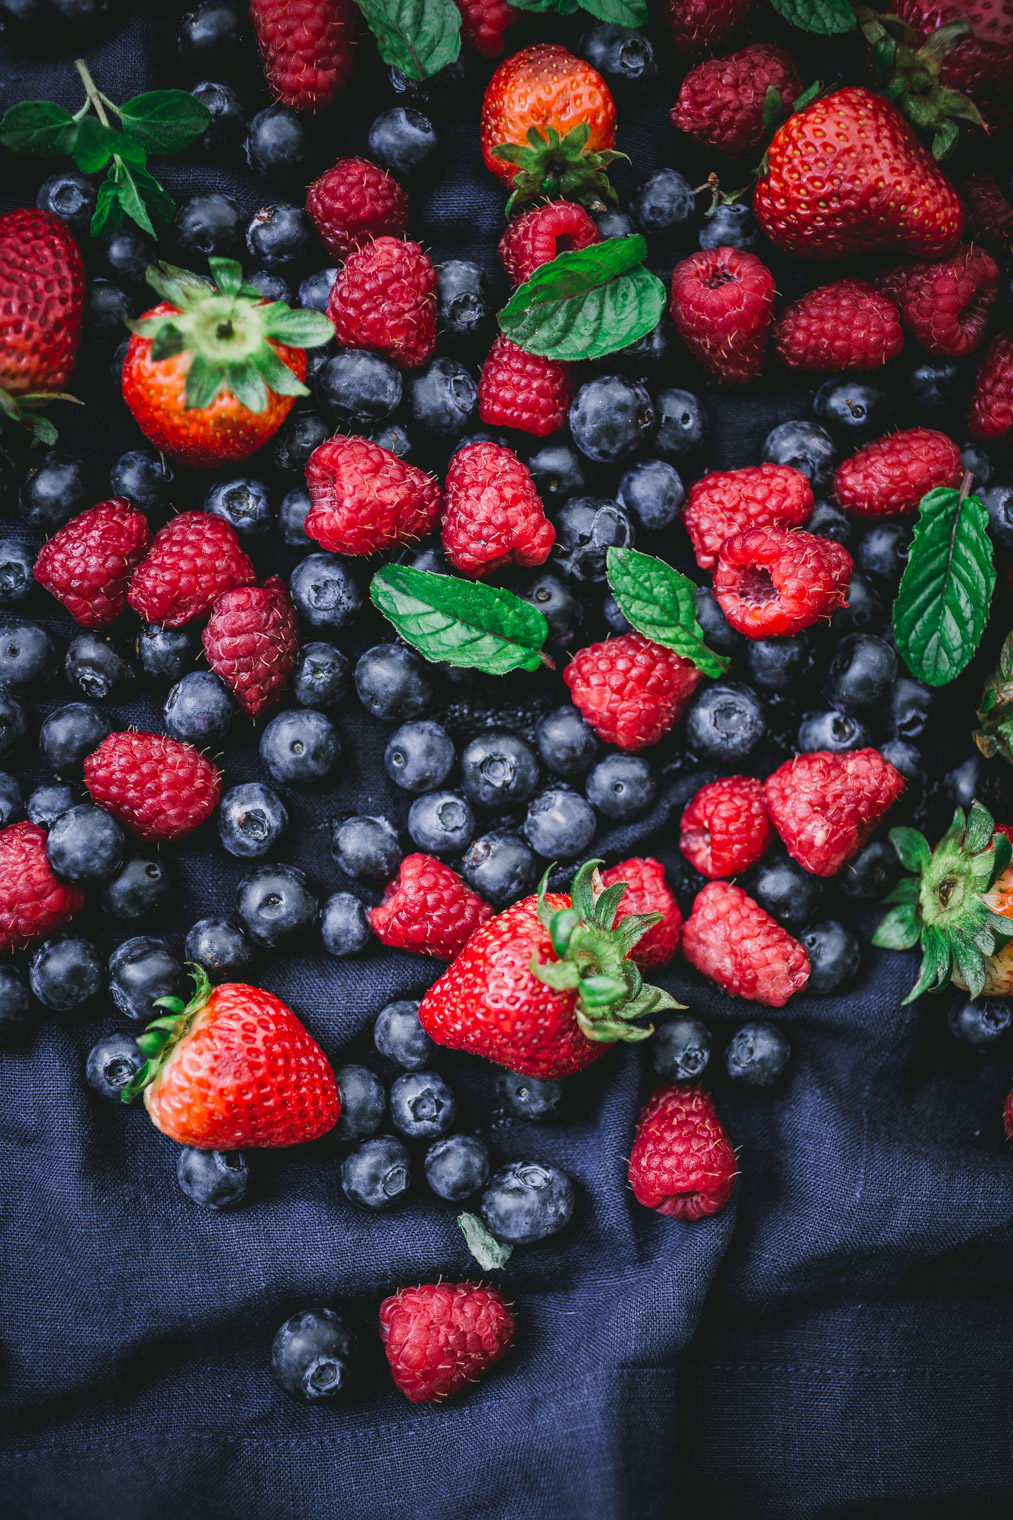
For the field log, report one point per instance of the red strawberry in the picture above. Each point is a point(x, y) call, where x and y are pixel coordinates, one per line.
point(353, 203)
point(703, 26)
point(493, 516)
point(844, 326)
point(306, 48)
point(825, 806)
point(365, 498)
point(524, 391)
point(483, 23)
point(516, 993)
point(991, 413)
point(252, 642)
point(385, 299)
point(32, 901)
point(892, 474)
point(729, 501)
point(773, 582)
point(647, 891)
point(725, 828)
point(722, 304)
point(981, 64)
point(989, 216)
point(440, 1336)
point(41, 307)
point(946, 303)
point(87, 563)
point(847, 175)
point(192, 561)
point(428, 909)
point(234, 1069)
point(721, 102)
point(682, 1162)
point(631, 690)
point(541, 234)
point(730, 939)
point(159, 788)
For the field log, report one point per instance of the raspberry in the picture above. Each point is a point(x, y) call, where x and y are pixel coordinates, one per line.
point(703, 26)
point(365, 499)
point(428, 909)
point(757, 496)
point(440, 1336)
point(991, 413)
point(541, 234)
point(725, 828)
point(32, 901)
point(772, 582)
point(493, 515)
point(192, 560)
point(385, 299)
point(892, 474)
point(252, 642)
point(721, 102)
point(353, 203)
point(306, 48)
point(825, 806)
point(647, 891)
point(946, 304)
point(846, 325)
point(631, 690)
point(989, 216)
point(159, 788)
point(730, 939)
point(682, 1162)
point(722, 304)
point(87, 563)
point(524, 391)
point(483, 23)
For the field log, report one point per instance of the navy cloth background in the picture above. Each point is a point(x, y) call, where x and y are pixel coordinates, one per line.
point(836, 1343)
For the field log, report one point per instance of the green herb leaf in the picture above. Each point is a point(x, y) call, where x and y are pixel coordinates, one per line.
point(619, 12)
point(39, 127)
point(94, 145)
point(141, 196)
point(419, 37)
point(462, 622)
point(942, 606)
point(165, 121)
point(586, 304)
point(661, 604)
point(302, 329)
point(822, 16)
point(107, 217)
point(490, 1253)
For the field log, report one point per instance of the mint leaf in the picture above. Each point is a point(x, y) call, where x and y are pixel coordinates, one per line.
point(141, 196)
point(490, 1253)
point(165, 121)
point(107, 217)
point(661, 604)
point(40, 127)
point(462, 622)
point(419, 37)
point(619, 12)
point(94, 145)
point(586, 304)
point(942, 605)
point(822, 16)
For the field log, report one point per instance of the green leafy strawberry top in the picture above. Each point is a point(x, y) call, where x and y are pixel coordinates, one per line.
point(556, 166)
point(163, 1033)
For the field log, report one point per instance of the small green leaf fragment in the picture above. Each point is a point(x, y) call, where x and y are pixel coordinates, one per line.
point(825, 17)
point(899, 930)
point(490, 1253)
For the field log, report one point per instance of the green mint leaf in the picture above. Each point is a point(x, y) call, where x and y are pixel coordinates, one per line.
point(542, 6)
point(942, 605)
point(661, 604)
point(419, 37)
point(462, 622)
point(899, 930)
point(94, 145)
point(823, 16)
point(107, 217)
point(619, 12)
point(142, 197)
point(587, 304)
point(490, 1253)
point(40, 127)
point(165, 121)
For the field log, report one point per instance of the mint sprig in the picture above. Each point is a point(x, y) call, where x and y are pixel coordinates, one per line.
point(825, 17)
point(419, 37)
point(619, 12)
point(461, 622)
point(661, 604)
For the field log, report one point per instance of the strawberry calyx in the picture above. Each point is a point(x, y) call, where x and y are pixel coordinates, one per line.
point(907, 70)
point(560, 167)
point(592, 958)
point(995, 711)
point(226, 327)
point(24, 409)
point(944, 905)
point(163, 1033)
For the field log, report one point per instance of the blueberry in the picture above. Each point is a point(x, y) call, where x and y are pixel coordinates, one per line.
point(325, 591)
point(359, 386)
point(441, 398)
point(272, 286)
point(803, 446)
point(366, 848)
point(612, 223)
point(27, 655)
point(558, 471)
point(457, 1167)
point(716, 629)
point(377, 1174)
point(419, 756)
point(394, 439)
point(95, 665)
point(778, 664)
point(864, 610)
point(276, 145)
point(107, 308)
point(441, 823)
point(978, 463)
point(652, 492)
point(213, 30)
point(199, 708)
point(322, 676)
point(344, 926)
point(300, 747)
point(621, 787)
point(909, 708)
point(611, 416)
point(228, 123)
point(244, 503)
point(559, 825)
point(565, 742)
point(65, 972)
point(998, 503)
point(71, 197)
point(113, 1061)
point(757, 1055)
point(499, 770)
point(730, 227)
point(526, 1201)
point(979, 1024)
point(422, 1106)
point(883, 550)
point(834, 956)
point(852, 410)
point(221, 947)
point(623, 55)
point(274, 904)
point(663, 203)
point(398, 1035)
point(142, 970)
point(586, 528)
point(936, 383)
point(557, 603)
point(303, 431)
point(961, 785)
point(401, 139)
point(277, 235)
point(55, 488)
point(214, 1179)
point(861, 673)
point(166, 653)
point(49, 800)
point(785, 891)
point(12, 799)
point(392, 683)
point(315, 290)
point(13, 724)
point(651, 349)
point(363, 1103)
point(832, 730)
point(828, 521)
point(251, 820)
point(15, 1002)
point(464, 299)
point(17, 562)
point(292, 515)
point(127, 255)
point(614, 616)
point(872, 872)
point(313, 1355)
point(530, 1097)
point(85, 845)
point(145, 479)
point(726, 722)
point(907, 759)
point(680, 1049)
point(681, 423)
point(210, 224)
point(500, 868)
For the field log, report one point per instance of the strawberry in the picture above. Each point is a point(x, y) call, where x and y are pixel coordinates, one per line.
point(945, 303)
point(848, 325)
point(353, 203)
point(233, 1068)
point(428, 909)
point(33, 901)
point(493, 516)
point(682, 1162)
point(756, 496)
point(41, 308)
point(440, 1336)
point(542, 234)
point(483, 23)
point(88, 562)
point(192, 561)
point(630, 690)
point(891, 475)
point(730, 939)
point(542, 988)
point(773, 582)
point(991, 412)
point(989, 216)
point(722, 304)
point(385, 299)
point(847, 175)
point(647, 891)
point(365, 498)
point(1007, 1115)
point(721, 102)
point(703, 26)
point(306, 49)
point(159, 788)
point(725, 828)
point(980, 64)
point(524, 391)
point(825, 806)
point(252, 642)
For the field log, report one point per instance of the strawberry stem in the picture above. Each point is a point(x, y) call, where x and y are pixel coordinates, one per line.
point(92, 89)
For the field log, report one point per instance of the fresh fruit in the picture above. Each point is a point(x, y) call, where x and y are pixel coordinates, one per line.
point(41, 308)
point(777, 581)
point(385, 298)
point(483, 23)
point(252, 642)
point(428, 909)
point(682, 1162)
point(422, 1105)
point(729, 501)
point(722, 304)
point(560, 824)
point(647, 891)
point(493, 516)
point(722, 102)
point(194, 559)
point(313, 1355)
point(306, 49)
point(524, 391)
point(725, 828)
point(991, 411)
point(704, 26)
point(363, 1103)
point(981, 63)
point(32, 901)
point(157, 787)
point(730, 939)
point(85, 845)
point(457, 1167)
point(825, 806)
point(848, 325)
point(989, 216)
point(527, 1201)
point(440, 1336)
point(88, 562)
point(630, 690)
point(365, 499)
point(757, 1055)
point(621, 787)
point(680, 1049)
point(538, 236)
point(892, 474)
point(945, 303)
point(611, 417)
point(354, 202)
point(398, 1035)
point(214, 1179)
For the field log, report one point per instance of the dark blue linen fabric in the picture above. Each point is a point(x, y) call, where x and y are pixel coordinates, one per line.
point(835, 1344)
